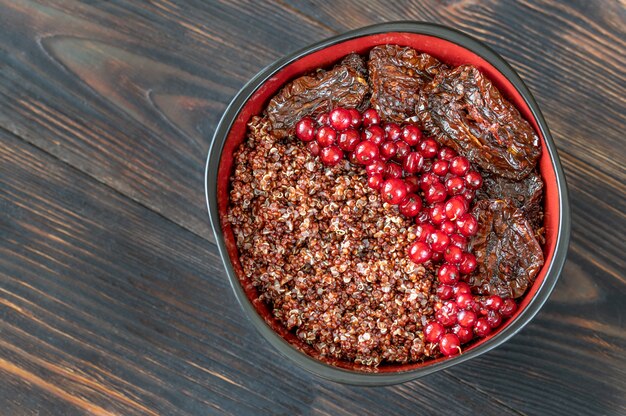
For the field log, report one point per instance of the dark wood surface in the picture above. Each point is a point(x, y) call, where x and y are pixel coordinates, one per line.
point(113, 299)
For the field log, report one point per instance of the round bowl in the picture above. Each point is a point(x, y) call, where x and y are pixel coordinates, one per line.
point(449, 46)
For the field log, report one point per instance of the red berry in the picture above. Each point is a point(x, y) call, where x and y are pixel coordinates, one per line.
point(494, 319)
point(445, 292)
point(467, 225)
point(402, 151)
point(439, 241)
point(377, 166)
point(410, 206)
point(374, 134)
point(411, 134)
point(493, 302)
point(436, 258)
point(440, 168)
point(455, 185)
point(348, 140)
point(465, 334)
point(468, 264)
point(453, 254)
point(388, 150)
point(465, 300)
point(446, 315)
point(433, 331)
point(459, 166)
point(473, 179)
point(428, 148)
point(449, 345)
point(393, 190)
point(413, 162)
point(412, 183)
point(446, 153)
point(370, 117)
point(419, 252)
point(366, 152)
point(322, 119)
point(305, 129)
point(331, 155)
point(314, 148)
point(468, 194)
point(423, 232)
point(423, 216)
point(448, 274)
point(466, 318)
point(326, 136)
point(458, 241)
point(393, 132)
point(461, 287)
point(436, 213)
point(482, 327)
point(428, 165)
point(392, 170)
point(455, 207)
point(426, 180)
point(375, 181)
point(355, 117)
point(508, 307)
point(448, 227)
point(340, 118)
point(436, 192)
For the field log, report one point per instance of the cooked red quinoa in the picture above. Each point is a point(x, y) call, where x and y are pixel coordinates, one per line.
point(326, 254)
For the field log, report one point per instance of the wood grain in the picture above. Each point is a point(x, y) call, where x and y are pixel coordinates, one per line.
point(112, 297)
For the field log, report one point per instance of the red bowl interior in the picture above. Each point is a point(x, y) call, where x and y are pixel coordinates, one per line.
point(445, 51)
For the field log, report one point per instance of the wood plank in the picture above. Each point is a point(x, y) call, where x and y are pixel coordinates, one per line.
point(131, 93)
point(107, 307)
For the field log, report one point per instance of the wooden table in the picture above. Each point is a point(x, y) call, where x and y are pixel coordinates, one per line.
point(113, 299)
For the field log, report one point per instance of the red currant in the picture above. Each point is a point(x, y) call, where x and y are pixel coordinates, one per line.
point(377, 166)
point(428, 148)
point(448, 274)
point(402, 151)
point(449, 345)
point(326, 136)
point(436, 192)
point(455, 207)
point(348, 139)
point(331, 155)
point(355, 118)
point(340, 118)
point(392, 170)
point(467, 225)
point(374, 134)
point(433, 332)
point(446, 153)
point(440, 167)
point(466, 318)
point(410, 206)
point(419, 252)
point(508, 307)
point(465, 334)
point(482, 327)
point(413, 162)
point(455, 185)
point(393, 190)
point(473, 179)
point(393, 132)
point(439, 241)
point(366, 152)
point(459, 166)
point(453, 254)
point(370, 117)
point(411, 134)
point(375, 181)
point(468, 264)
point(388, 150)
point(305, 129)
point(314, 148)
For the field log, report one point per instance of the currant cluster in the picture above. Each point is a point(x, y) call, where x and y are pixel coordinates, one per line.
point(462, 317)
point(426, 181)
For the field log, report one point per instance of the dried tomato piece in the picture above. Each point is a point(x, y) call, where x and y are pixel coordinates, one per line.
point(396, 74)
point(315, 94)
point(526, 194)
point(462, 109)
point(507, 252)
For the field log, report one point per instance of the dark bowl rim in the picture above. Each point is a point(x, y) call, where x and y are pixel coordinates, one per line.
point(377, 379)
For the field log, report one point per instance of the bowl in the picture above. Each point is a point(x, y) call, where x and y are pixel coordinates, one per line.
point(449, 46)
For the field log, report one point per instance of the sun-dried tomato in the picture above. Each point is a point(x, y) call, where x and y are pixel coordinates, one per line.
point(311, 95)
point(507, 252)
point(462, 109)
point(396, 74)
